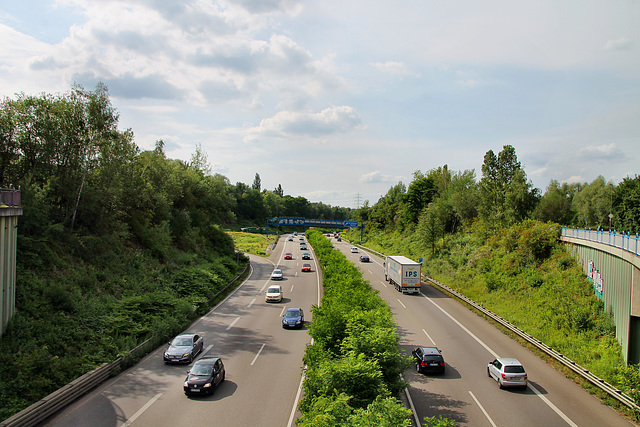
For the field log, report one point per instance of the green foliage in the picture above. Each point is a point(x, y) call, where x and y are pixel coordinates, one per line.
point(438, 422)
point(354, 364)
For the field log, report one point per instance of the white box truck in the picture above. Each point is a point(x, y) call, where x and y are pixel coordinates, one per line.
point(403, 273)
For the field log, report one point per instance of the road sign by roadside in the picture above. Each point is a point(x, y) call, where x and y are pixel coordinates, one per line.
point(350, 223)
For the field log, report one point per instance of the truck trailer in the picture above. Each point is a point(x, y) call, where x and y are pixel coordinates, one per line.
point(403, 273)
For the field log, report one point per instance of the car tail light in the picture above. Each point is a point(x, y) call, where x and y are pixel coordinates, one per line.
point(441, 363)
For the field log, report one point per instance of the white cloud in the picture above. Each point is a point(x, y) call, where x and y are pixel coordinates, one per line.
point(396, 68)
point(619, 44)
point(607, 151)
point(340, 119)
point(379, 177)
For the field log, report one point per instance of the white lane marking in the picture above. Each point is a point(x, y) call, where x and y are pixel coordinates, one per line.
point(370, 272)
point(251, 303)
point(283, 310)
point(265, 285)
point(295, 402)
point(494, 354)
point(482, 409)
point(141, 410)
point(413, 408)
point(402, 304)
point(552, 406)
point(206, 349)
point(233, 323)
point(429, 336)
point(258, 354)
point(291, 288)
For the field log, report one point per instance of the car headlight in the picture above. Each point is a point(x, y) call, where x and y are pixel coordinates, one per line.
point(185, 354)
point(186, 384)
point(207, 385)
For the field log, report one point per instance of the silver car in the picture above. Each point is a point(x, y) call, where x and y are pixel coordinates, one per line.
point(508, 372)
point(184, 348)
point(276, 274)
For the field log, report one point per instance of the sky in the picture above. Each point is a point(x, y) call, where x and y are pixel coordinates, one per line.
point(338, 101)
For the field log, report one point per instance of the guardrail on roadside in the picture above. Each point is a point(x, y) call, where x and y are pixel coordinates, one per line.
point(59, 399)
point(580, 370)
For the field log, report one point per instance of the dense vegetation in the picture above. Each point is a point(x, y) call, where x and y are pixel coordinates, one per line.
point(116, 245)
point(354, 364)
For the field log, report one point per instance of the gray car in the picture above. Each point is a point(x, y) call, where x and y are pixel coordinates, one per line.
point(508, 372)
point(184, 348)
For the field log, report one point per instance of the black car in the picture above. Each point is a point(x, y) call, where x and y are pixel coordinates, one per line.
point(204, 376)
point(306, 255)
point(428, 359)
point(184, 348)
point(364, 258)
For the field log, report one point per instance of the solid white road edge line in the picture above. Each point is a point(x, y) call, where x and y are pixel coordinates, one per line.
point(258, 354)
point(482, 409)
point(141, 410)
point(494, 354)
point(413, 408)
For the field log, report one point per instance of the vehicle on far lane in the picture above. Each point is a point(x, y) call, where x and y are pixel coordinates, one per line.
point(183, 348)
point(205, 375)
point(364, 258)
point(288, 255)
point(306, 267)
point(276, 274)
point(293, 318)
point(306, 255)
point(508, 372)
point(354, 250)
point(303, 247)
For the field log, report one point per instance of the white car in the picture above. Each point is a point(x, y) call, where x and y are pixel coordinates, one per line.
point(508, 372)
point(276, 274)
point(354, 250)
point(273, 294)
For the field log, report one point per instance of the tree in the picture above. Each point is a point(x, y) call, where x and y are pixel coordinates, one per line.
point(556, 203)
point(279, 190)
point(593, 203)
point(256, 182)
point(626, 205)
point(419, 194)
point(505, 195)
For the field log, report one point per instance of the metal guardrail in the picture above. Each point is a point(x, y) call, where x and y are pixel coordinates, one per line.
point(621, 240)
point(59, 399)
point(580, 370)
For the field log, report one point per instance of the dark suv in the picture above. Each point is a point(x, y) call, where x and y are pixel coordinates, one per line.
point(428, 359)
point(204, 376)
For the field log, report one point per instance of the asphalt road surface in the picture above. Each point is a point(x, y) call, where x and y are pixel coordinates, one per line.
point(465, 393)
point(263, 361)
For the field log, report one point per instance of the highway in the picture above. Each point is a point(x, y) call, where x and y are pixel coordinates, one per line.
point(262, 360)
point(465, 394)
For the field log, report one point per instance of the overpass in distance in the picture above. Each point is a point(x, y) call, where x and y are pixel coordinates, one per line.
point(612, 262)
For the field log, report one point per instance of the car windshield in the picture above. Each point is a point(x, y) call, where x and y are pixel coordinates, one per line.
point(514, 369)
point(273, 290)
point(277, 271)
point(181, 342)
point(202, 369)
point(293, 313)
